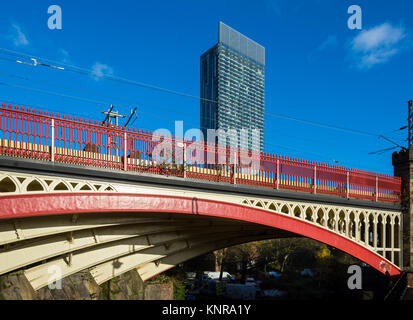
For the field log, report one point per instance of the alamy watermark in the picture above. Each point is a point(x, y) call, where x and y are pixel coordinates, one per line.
point(221, 147)
point(355, 20)
point(55, 20)
point(54, 281)
point(355, 280)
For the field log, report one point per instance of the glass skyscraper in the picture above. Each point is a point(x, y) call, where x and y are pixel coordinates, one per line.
point(232, 88)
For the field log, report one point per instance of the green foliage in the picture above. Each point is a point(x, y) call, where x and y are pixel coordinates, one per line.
point(289, 257)
point(179, 290)
point(175, 276)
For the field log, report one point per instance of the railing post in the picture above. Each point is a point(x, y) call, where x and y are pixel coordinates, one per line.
point(315, 179)
point(278, 173)
point(377, 188)
point(184, 158)
point(233, 154)
point(125, 151)
point(347, 185)
point(52, 144)
point(235, 172)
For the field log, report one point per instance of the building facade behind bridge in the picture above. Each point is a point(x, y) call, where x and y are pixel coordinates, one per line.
point(232, 87)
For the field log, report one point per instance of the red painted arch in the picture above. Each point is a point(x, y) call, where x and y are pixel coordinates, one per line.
point(19, 206)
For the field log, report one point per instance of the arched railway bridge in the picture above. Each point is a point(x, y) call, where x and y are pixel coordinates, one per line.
point(78, 195)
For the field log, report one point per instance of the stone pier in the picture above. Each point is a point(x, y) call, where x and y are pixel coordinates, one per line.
point(81, 286)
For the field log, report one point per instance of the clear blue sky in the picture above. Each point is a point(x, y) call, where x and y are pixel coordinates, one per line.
point(316, 67)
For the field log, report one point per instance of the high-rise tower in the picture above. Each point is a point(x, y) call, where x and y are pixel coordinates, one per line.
point(232, 87)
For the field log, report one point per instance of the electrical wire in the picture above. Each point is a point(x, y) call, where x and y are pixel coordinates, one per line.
point(127, 81)
point(97, 94)
point(160, 108)
point(89, 72)
point(323, 125)
point(153, 106)
point(141, 84)
point(156, 115)
point(144, 112)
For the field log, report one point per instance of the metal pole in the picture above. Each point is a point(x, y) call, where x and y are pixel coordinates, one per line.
point(392, 239)
point(125, 151)
point(130, 117)
point(53, 136)
point(401, 243)
point(235, 172)
point(109, 151)
point(410, 119)
point(113, 114)
point(184, 158)
point(315, 179)
point(347, 185)
point(236, 156)
point(278, 173)
point(377, 188)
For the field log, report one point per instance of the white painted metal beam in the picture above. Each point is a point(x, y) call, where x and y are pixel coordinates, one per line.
point(107, 271)
point(41, 249)
point(39, 276)
point(150, 269)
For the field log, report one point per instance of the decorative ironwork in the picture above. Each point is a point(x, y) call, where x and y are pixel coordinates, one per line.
point(40, 135)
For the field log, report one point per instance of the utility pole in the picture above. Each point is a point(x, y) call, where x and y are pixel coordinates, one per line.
point(133, 112)
point(403, 167)
point(113, 114)
point(410, 119)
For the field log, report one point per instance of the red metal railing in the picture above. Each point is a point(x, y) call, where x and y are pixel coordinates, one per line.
point(41, 135)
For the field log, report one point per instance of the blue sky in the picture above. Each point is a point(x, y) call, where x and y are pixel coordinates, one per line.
point(316, 67)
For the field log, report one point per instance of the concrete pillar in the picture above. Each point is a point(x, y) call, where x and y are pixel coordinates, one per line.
point(403, 167)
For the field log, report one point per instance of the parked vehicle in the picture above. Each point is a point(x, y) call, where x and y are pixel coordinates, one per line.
point(250, 282)
point(209, 275)
point(240, 291)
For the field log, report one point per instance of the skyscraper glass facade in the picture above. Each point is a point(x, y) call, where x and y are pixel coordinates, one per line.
point(232, 88)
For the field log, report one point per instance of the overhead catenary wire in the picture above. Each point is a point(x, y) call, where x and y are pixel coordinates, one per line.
point(74, 98)
point(396, 144)
point(72, 68)
point(324, 125)
point(90, 73)
point(141, 84)
point(96, 94)
point(130, 117)
point(106, 103)
point(322, 156)
point(177, 111)
point(147, 113)
point(383, 150)
point(157, 107)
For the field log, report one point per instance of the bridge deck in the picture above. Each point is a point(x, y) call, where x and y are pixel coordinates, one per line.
point(31, 166)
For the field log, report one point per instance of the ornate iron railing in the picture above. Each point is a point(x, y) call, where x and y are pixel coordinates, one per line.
point(52, 137)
